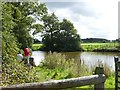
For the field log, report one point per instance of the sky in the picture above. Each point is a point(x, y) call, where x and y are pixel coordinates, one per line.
point(91, 18)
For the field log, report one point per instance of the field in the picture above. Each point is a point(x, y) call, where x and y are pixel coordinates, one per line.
point(37, 46)
point(99, 46)
point(88, 46)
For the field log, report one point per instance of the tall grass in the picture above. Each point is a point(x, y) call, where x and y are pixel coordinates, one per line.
point(58, 60)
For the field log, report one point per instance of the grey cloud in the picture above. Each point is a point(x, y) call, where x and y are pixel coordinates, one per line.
point(84, 9)
point(76, 7)
point(58, 5)
point(76, 10)
point(98, 33)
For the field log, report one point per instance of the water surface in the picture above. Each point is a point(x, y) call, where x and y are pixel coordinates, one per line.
point(89, 58)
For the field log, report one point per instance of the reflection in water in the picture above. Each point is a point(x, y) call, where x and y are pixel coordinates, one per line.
point(92, 59)
point(89, 58)
point(38, 56)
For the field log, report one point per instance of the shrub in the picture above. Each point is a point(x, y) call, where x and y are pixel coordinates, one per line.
point(14, 72)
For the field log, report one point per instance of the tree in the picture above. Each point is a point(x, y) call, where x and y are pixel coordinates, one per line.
point(51, 27)
point(16, 24)
point(68, 39)
point(59, 36)
point(9, 42)
point(22, 16)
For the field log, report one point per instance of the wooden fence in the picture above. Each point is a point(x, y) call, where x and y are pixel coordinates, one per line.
point(117, 73)
point(97, 80)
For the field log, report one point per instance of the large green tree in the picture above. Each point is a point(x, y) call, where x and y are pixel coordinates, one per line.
point(22, 16)
point(50, 29)
point(59, 36)
point(68, 39)
point(17, 21)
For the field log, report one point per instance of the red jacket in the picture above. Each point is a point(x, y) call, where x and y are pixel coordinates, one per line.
point(27, 52)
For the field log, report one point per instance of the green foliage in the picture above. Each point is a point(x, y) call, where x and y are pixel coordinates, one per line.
point(57, 60)
point(16, 24)
point(9, 46)
point(110, 83)
point(17, 73)
point(59, 36)
point(51, 25)
point(14, 72)
point(47, 74)
point(18, 18)
point(55, 66)
point(38, 28)
point(7, 19)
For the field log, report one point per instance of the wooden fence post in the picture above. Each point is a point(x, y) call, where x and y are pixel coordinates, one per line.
point(100, 72)
point(116, 72)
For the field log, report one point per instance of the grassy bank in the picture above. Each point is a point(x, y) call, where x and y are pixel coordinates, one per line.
point(54, 66)
point(106, 47)
point(100, 47)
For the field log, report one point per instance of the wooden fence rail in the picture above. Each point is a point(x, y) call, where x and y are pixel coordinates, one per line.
point(98, 81)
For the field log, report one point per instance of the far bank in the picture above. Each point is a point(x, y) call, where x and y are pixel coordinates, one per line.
point(92, 47)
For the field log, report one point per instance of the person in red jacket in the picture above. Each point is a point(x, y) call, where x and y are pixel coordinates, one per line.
point(27, 55)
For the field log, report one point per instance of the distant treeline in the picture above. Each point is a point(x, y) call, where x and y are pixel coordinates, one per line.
point(97, 40)
point(87, 40)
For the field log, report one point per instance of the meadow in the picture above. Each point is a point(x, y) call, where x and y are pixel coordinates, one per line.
point(89, 47)
point(99, 46)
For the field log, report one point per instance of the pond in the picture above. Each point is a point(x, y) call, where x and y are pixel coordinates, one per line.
point(89, 58)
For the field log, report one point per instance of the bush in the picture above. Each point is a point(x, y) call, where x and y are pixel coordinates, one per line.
point(17, 73)
point(14, 72)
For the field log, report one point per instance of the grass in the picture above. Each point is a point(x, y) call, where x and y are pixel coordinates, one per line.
point(88, 46)
point(99, 46)
point(53, 63)
point(110, 82)
point(55, 66)
point(59, 61)
point(37, 47)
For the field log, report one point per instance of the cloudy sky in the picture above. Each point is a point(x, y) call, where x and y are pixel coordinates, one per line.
point(91, 18)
